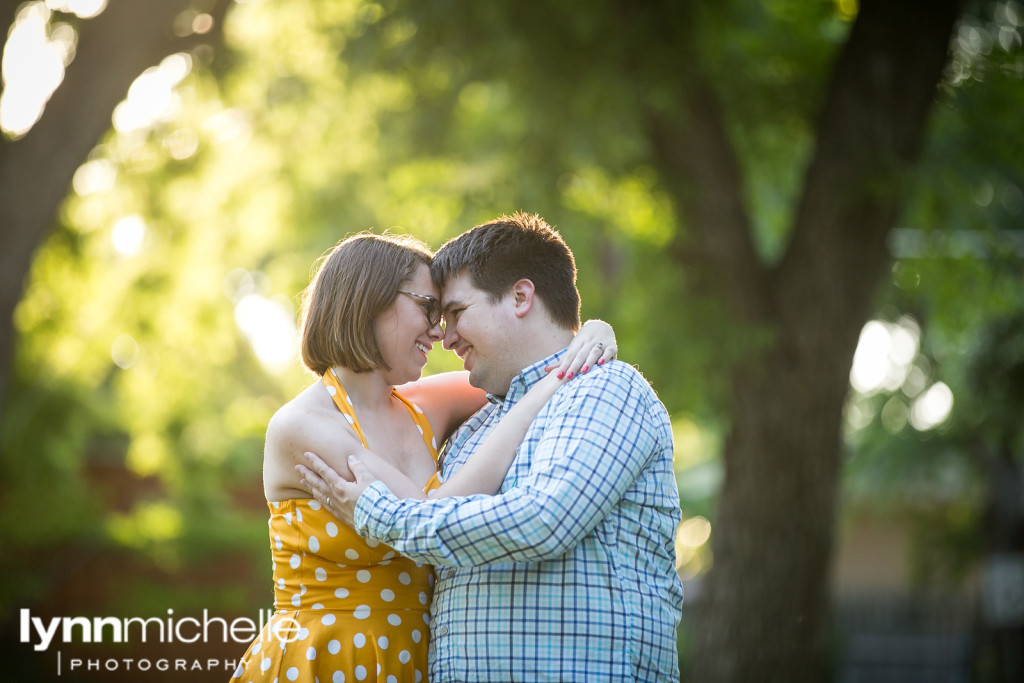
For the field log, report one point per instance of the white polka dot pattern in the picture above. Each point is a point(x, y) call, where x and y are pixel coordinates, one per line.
point(353, 606)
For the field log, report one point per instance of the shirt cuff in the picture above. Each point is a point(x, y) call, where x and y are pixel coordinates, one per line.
point(375, 503)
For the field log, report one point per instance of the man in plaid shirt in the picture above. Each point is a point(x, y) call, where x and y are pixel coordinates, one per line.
point(568, 573)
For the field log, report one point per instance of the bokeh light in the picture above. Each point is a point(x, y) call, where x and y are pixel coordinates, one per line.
point(692, 551)
point(269, 326)
point(84, 9)
point(124, 351)
point(151, 98)
point(932, 407)
point(128, 235)
point(887, 359)
point(885, 354)
point(98, 175)
point(34, 58)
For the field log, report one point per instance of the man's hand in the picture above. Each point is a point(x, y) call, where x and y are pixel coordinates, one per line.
point(331, 490)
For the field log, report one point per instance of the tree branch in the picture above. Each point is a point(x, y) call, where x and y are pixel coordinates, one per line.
point(36, 171)
point(698, 163)
point(8, 12)
point(858, 174)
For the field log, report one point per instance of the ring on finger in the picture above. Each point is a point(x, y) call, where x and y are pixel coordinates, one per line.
point(328, 502)
point(600, 345)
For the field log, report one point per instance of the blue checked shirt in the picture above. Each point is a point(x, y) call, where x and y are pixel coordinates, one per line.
point(568, 574)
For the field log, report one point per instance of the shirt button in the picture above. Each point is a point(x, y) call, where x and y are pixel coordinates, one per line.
point(443, 631)
point(451, 573)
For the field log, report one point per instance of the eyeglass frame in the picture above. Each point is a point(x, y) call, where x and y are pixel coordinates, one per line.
point(437, 319)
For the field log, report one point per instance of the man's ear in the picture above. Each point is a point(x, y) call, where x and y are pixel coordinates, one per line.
point(522, 293)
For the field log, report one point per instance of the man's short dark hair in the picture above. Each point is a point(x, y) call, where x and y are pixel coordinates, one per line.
point(501, 252)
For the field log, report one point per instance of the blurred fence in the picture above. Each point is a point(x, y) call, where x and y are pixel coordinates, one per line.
point(904, 639)
point(907, 638)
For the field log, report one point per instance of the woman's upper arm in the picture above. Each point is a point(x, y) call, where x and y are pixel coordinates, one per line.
point(447, 399)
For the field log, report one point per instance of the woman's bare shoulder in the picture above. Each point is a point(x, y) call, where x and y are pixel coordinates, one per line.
point(301, 423)
point(309, 422)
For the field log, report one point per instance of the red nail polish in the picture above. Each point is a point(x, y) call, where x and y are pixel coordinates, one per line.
point(561, 375)
point(585, 368)
point(601, 362)
point(570, 375)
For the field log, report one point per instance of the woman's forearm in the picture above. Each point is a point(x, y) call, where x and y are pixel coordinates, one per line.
point(488, 465)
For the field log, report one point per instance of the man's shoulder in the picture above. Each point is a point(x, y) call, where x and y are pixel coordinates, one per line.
point(616, 385)
point(615, 375)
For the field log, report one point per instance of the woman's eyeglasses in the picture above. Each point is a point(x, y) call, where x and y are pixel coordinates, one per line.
point(431, 306)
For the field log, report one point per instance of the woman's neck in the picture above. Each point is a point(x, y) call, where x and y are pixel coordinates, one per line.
point(369, 390)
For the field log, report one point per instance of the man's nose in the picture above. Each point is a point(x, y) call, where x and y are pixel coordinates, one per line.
point(436, 332)
point(451, 337)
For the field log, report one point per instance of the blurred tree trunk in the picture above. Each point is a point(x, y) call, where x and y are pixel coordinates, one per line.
point(995, 436)
point(36, 170)
point(763, 613)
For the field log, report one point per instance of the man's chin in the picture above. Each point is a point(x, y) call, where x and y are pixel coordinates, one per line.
point(488, 385)
point(483, 382)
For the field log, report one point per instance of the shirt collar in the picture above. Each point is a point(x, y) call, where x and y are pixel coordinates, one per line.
point(522, 382)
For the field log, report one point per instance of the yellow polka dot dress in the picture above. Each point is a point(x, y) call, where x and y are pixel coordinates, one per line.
point(347, 609)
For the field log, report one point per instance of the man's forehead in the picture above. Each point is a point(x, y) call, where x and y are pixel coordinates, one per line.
point(458, 289)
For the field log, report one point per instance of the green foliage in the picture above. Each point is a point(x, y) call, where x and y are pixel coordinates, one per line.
point(958, 276)
point(43, 501)
point(323, 118)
